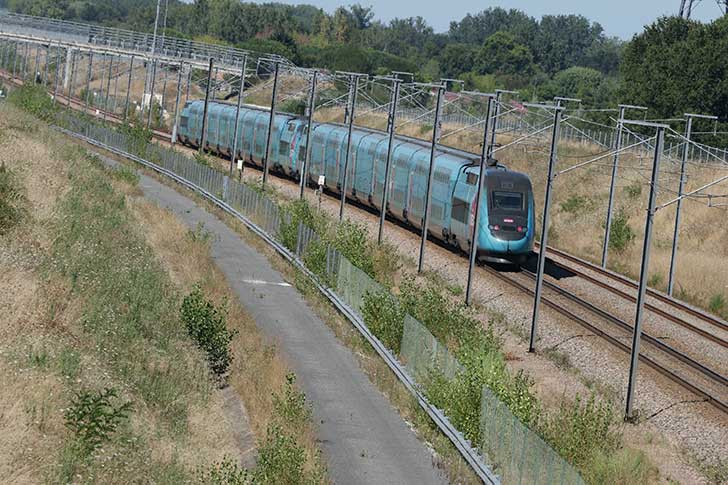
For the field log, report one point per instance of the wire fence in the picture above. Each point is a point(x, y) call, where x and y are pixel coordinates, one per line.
point(508, 447)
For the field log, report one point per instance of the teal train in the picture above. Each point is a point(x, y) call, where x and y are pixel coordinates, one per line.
point(506, 227)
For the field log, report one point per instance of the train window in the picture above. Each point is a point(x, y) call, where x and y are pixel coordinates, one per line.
point(460, 210)
point(183, 122)
point(285, 148)
point(508, 200)
point(472, 179)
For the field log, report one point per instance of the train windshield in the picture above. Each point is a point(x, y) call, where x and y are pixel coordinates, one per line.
point(510, 201)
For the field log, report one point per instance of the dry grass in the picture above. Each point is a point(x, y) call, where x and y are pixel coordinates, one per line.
point(257, 370)
point(45, 354)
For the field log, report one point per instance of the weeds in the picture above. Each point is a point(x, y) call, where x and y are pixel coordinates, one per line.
point(69, 363)
point(225, 472)
point(575, 204)
point(125, 174)
point(621, 234)
point(291, 406)
point(384, 316)
point(633, 190)
point(717, 304)
point(94, 416)
point(12, 201)
point(35, 100)
point(205, 323)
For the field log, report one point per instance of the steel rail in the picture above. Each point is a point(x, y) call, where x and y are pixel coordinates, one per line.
point(652, 363)
point(673, 302)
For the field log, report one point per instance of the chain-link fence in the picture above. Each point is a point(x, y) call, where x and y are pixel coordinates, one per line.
point(516, 453)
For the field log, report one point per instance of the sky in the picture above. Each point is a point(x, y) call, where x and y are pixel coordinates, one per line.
point(620, 18)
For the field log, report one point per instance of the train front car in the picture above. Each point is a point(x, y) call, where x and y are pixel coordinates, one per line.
point(507, 224)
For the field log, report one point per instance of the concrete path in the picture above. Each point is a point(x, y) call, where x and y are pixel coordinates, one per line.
point(363, 438)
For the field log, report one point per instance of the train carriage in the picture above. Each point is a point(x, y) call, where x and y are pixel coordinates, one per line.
point(506, 226)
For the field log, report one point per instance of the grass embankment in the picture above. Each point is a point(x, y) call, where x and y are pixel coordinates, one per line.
point(102, 378)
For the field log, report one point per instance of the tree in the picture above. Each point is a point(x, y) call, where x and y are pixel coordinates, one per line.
point(501, 54)
point(563, 40)
point(456, 59)
point(362, 16)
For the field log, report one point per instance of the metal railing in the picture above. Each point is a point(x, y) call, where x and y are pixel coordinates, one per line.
point(111, 37)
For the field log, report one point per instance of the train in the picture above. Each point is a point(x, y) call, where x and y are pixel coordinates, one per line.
point(506, 226)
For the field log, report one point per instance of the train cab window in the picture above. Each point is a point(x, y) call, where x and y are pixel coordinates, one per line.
point(183, 121)
point(511, 201)
point(460, 210)
point(472, 179)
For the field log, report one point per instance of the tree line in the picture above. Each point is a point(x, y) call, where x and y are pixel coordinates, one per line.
point(673, 66)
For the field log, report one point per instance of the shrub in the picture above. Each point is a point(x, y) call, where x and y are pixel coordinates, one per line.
point(291, 405)
point(225, 472)
point(139, 138)
point(93, 417)
point(352, 241)
point(621, 234)
point(35, 100)
point(717, 304)
point(205, 323)
point(579, 431)
point(281, 459)
point(633, 190)
point(574, 204)
point(298, 211)
point(12, 202)
point(385, 318)
point(201, 159)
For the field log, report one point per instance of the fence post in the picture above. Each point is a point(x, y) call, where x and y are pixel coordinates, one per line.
point(391, 130)
point(269, 135)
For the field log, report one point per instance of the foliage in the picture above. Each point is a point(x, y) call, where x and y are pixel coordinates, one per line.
point(621, 234)
point(224, 472)
point(94, 416)
point(139, 137)
point(205, 323)
point(12, 201)
point(502, 54)
point(718, 304)
point(575, 204)
point(281, 459)
point(291, 406)
point(385, 318)
point(579, 431)
point(35, 100)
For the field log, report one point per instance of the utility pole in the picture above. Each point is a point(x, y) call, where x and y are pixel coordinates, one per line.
point(309, 127)
point(270, 121)
point(391, 131)
point(237, 113)
point(353, 91)
point(558, 109)
point(176, 103)
point(496, 117)
point(612, 185)
point(128, 87)
point(484, 161)
point(88, 79)
point(203, 134)
point(642, 289)
point(676, 233)
point(433, 153)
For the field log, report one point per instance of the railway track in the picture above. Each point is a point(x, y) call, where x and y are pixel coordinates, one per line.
point(710, 320)
point(659, 356)
point(668, 361)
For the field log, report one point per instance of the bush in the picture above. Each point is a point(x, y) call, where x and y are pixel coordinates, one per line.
point(579, 432)
point(12, 202)
point(205, 323)
point(35, 100)
point(574, 204)
point(621, 234)
point(225, 472)
point(281, 459)
point(291, 406)
point(385, 318)
point(633, 190)
point(717, 304)
point(93, 417)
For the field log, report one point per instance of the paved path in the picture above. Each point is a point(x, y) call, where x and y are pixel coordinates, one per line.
point(363, 438)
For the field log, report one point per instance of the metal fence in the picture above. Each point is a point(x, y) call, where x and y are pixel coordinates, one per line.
point(509, 447)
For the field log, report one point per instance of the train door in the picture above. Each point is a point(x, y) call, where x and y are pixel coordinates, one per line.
point(462, 208)
point(400, 181)
point(417, 189)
